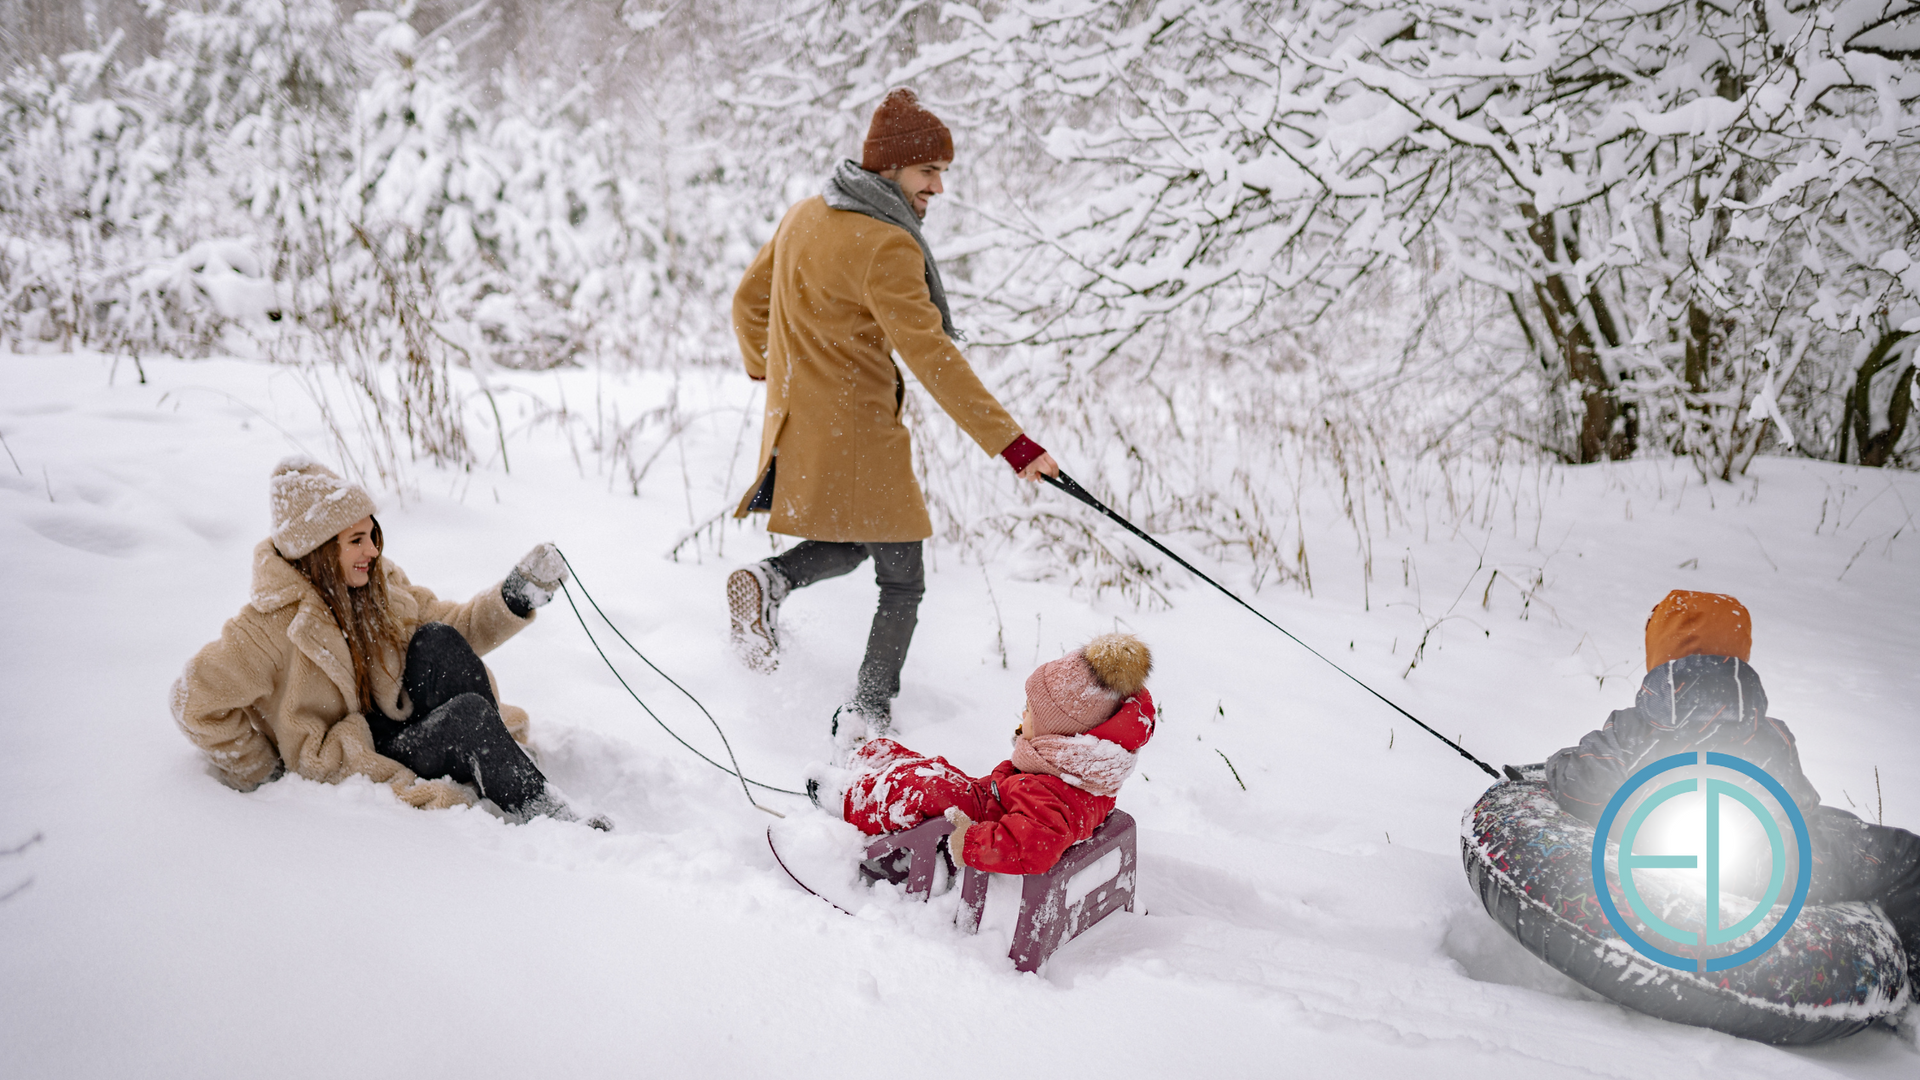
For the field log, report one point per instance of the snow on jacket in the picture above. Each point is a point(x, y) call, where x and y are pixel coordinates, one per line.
point(1022, 821)
point(817, 314)
point(278, 684)
point(1694, 703)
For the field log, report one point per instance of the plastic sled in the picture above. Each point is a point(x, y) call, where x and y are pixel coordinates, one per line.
point(1047, 921)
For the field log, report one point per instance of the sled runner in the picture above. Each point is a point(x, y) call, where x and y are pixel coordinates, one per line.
point(771, 846)
point(822, 855)
point(1049, 916)
point(1837, 970)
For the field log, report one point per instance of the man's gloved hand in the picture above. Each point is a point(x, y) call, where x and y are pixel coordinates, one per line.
point(534, 580)
point(1029, 459)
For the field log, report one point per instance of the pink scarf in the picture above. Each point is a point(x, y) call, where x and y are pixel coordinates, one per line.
point(1089, 763)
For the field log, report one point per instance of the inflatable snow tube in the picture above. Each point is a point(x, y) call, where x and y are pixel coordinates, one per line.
point(1839, 968)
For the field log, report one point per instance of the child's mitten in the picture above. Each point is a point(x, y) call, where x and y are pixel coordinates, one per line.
point(956, 841)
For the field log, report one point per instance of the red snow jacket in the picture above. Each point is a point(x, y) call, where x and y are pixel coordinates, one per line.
point(1029, 820)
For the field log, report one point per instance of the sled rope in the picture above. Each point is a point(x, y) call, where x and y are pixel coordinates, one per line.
point(1066, 483)
point(733, 772)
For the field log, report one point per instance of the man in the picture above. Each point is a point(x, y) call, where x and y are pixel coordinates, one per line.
point(846, 281)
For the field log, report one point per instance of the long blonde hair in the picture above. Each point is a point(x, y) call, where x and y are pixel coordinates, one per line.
point(361, 613)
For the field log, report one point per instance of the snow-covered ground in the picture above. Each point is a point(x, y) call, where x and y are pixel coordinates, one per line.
point(1315, 923)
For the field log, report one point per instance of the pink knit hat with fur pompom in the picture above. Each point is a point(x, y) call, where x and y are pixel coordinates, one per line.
point(1080, 690)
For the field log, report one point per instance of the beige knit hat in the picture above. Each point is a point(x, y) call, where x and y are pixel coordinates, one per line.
point(311, 505)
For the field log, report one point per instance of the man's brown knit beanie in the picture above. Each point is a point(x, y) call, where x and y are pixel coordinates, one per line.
point(903, 134)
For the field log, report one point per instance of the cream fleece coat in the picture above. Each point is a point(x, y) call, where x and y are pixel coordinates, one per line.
point(278, 684)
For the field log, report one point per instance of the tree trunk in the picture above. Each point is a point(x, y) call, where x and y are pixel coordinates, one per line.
point(1699, 347)
point(1876, 448)
point(1605, 430)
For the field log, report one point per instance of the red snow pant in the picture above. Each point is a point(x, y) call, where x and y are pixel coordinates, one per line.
point(898, 789)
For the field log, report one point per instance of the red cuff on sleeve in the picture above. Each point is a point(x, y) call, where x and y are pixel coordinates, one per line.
point(1022, 452)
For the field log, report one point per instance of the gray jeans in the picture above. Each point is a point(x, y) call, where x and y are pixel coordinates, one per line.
point(903, 580)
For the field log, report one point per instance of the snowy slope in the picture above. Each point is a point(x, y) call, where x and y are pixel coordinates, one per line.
point(1315, 923)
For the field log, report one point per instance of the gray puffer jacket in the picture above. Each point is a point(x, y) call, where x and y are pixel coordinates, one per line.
point(1693, 703)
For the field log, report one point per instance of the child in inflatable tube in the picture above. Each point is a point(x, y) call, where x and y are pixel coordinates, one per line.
point(1087, 715)
point(1700, 694)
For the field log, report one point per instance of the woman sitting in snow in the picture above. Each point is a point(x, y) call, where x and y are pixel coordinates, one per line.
point(339, 666)
point(1087, 716)
point(1700, 694)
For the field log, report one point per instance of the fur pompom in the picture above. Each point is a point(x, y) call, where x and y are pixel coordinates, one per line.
point(1121, 662)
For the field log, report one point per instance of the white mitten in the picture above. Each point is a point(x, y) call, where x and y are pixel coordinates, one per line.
point(544, 567)
point(534, 580)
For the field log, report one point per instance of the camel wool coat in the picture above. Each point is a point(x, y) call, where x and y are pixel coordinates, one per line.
point(819, 311)
point(278, 684)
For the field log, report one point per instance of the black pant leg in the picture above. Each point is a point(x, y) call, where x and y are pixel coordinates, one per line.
point(440, 667)
point(817, 560)
point(466, 740)
point(901, 574)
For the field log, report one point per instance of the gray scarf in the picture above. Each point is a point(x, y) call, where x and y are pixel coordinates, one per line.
point(854, 188)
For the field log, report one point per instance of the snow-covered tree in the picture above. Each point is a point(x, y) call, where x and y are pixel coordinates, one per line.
point(1603, 227)
point(79, 177)
point(1668, 195)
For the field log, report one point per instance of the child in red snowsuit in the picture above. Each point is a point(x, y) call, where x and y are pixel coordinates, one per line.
point(1087, 716)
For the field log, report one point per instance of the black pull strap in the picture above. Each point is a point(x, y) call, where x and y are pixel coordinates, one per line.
point(1067, 484)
